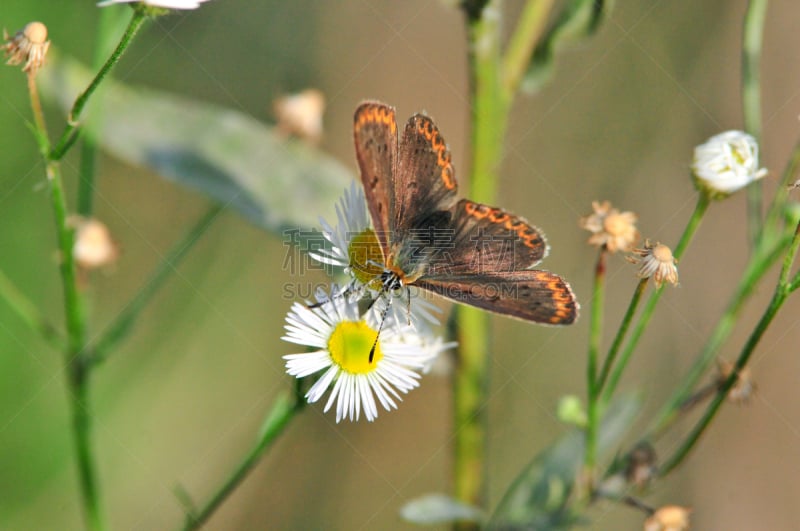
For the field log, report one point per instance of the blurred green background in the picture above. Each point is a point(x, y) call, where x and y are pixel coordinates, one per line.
point(183, 399)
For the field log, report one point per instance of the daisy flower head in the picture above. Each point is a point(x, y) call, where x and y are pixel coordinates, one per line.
point(363, 362)
point(726, 163)
point(354, 245)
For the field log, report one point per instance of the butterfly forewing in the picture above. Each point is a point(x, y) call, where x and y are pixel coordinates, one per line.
point(375, 133)
point(425, 182)
point(532, 295)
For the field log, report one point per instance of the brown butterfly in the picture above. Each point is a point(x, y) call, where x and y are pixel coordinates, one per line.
point(462, 250)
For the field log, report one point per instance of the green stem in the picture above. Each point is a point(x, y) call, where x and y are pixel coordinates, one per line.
point(108, 27)
point(471, 376)
point(283, 410)
point(28, 312)
point(78, 379)
point(75, 317)
point(595, 338)
point(756, 268)
point(527, 33)
point(688, 233)
point(776, 210)
point(71, 131)
point(686, 446)
point(623, 329)
point(124, 322)
point(489, 106)
point(753, 37)
point(470, 385)
point(75, 356)
point(86, 174)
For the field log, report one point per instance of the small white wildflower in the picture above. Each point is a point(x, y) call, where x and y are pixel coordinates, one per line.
point(726, 163)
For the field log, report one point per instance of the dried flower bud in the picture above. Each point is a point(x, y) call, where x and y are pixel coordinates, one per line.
point(301, 114)
point(744, 387)
point(29, 45)
point(641, 466)
point(656, 261)
point(668, 518)
point(611, 228)
point(93, 247)
point(726, 163)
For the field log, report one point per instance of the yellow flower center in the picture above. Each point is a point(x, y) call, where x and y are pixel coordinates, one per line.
point(350, 344)
point(366, 258)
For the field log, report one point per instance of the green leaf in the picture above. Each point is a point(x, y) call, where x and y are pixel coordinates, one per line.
point(578, 20)
point(276, 183)
point(439, 509)
point(539, 497)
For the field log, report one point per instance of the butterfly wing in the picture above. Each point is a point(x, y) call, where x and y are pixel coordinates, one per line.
point(375, 134)
point(485, 240)
point(424, 191)
point(487, 262)
point(532, 295)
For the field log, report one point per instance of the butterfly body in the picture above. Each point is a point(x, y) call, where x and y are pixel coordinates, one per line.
point(462, 250)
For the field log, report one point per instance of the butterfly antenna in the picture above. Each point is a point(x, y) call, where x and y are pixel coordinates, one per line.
point(380, 327)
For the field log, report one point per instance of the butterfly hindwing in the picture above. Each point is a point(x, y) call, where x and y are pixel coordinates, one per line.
point(485, 240)
point(532, 295)
point(375, 133)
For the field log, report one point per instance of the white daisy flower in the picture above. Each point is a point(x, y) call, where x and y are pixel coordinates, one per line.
point(358, 368)
point(726, 163)
point(355, 247)
point(352, 229)
point(169, 4)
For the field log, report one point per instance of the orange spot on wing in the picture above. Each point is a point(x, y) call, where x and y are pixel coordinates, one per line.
point(376, 114)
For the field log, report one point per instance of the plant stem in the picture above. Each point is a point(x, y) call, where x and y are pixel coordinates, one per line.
point(492, 91)
point(592, 389)
point(688, 233)
point(71, 131)
point(124, 322)
point(686, 446)
point(75, 356)
point(28, 312)
point(283, 410)
point(756, 268)
point(782, 291)
point(471, 375)
point(470, 384)
point(623, 329)
point(526, 36)
point(776, 210)
point(753, 36)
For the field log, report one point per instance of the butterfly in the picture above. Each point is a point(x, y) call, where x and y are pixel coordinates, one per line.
point(462, 250)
